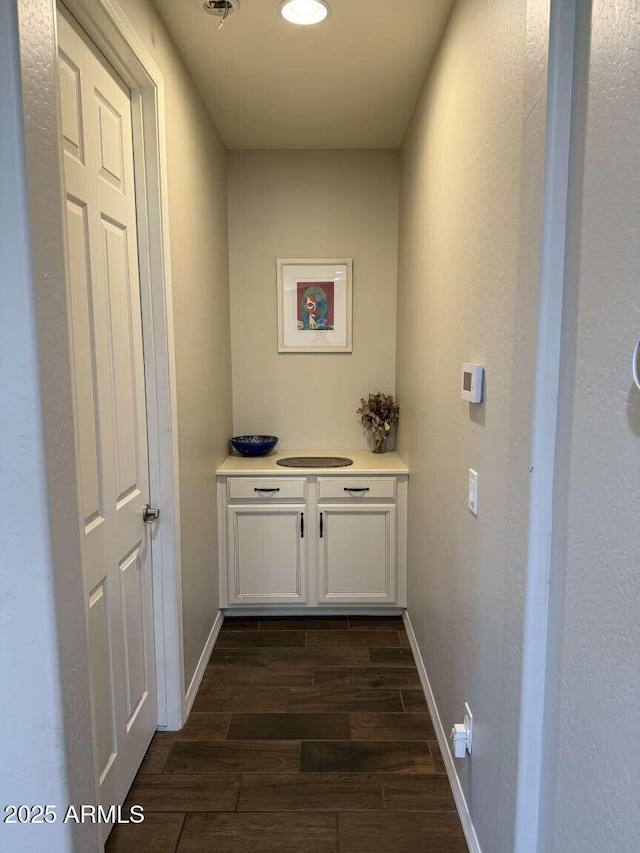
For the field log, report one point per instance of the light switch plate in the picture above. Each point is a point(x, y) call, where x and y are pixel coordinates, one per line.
point(473, 491)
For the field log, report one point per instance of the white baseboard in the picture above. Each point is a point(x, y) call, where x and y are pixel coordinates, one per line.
point(198, 675)
point(348, 610)
point(443, 742)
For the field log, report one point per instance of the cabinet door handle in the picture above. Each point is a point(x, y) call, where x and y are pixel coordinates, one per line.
point(266, 490)
point(321, 525)
point(354, 489)
point(302, 525)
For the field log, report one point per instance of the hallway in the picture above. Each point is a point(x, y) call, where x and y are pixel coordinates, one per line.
point(308, 735)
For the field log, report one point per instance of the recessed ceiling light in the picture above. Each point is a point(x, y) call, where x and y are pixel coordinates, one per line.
point(304, 12)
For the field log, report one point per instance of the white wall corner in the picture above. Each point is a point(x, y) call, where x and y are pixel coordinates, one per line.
point(443, 742)
point(198, 675)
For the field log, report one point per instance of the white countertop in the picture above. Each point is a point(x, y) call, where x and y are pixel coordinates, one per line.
point(364, 462)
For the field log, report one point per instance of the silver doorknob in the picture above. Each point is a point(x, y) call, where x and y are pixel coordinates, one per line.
point(149, 514)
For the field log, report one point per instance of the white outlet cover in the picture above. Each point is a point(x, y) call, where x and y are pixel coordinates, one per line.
point(468, 724)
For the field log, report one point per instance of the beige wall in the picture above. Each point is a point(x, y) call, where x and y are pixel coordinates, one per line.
point(311, 204)
point(592, 772)
point(469, 236)
point(196, 161)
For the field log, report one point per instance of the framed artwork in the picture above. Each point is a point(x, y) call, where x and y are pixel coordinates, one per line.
point(314, 304)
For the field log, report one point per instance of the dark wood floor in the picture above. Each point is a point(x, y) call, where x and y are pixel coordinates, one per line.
point(307, 736)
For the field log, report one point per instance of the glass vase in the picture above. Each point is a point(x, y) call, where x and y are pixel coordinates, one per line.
point(379, 445)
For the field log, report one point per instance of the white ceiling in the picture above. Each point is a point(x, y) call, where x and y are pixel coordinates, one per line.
point(350, 82)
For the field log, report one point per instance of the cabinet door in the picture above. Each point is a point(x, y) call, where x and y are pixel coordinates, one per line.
point(357, 554)
point(266, 554)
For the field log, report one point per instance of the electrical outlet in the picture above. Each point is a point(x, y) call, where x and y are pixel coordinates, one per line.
point(468, 724)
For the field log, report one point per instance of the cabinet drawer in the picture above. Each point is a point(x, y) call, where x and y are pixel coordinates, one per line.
point(356, 488)
point(266, 488)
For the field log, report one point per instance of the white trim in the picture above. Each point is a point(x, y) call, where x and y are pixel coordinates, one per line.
point(402, 502)
point(223, 562)
point(544, 427)
point(443, 743)
point(198, 675)
point(107, 26)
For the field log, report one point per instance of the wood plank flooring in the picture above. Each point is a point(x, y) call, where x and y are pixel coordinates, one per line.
point(308, 735)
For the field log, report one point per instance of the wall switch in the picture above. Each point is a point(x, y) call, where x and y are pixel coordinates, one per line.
point(473, 491)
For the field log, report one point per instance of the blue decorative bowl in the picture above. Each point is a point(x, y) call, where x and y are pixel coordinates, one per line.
point(254, 445)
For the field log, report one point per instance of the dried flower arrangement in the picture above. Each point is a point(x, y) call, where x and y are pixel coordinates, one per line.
point(377, 416)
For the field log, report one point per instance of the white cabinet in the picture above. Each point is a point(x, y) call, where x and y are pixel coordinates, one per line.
point(312, 541)
point(266, 554)
point(357, 559)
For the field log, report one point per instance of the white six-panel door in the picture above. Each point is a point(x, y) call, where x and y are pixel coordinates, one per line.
point(107, 358)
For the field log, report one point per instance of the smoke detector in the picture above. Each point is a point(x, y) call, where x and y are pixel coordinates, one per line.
point(221, 8)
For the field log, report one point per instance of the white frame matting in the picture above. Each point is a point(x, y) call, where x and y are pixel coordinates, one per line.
point(111, 32)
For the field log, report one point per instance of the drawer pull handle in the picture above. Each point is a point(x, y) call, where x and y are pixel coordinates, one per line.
point(302, 525)
point(321, 525)
point(354, 489)
point(266, 490)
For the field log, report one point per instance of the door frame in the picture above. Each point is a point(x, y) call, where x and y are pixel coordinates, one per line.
point(536, 637)
point(111, 32)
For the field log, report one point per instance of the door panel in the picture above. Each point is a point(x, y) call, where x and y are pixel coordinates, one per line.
point(132, 597)
point(70, 107)
point(122, 359)
point(84, 360)
point(267, 555)
point(102, 679)
point(109, 405)
point(357, 554)
point(111, 138)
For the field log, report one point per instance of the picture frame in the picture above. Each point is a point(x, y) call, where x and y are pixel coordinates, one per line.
point(315, 305)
